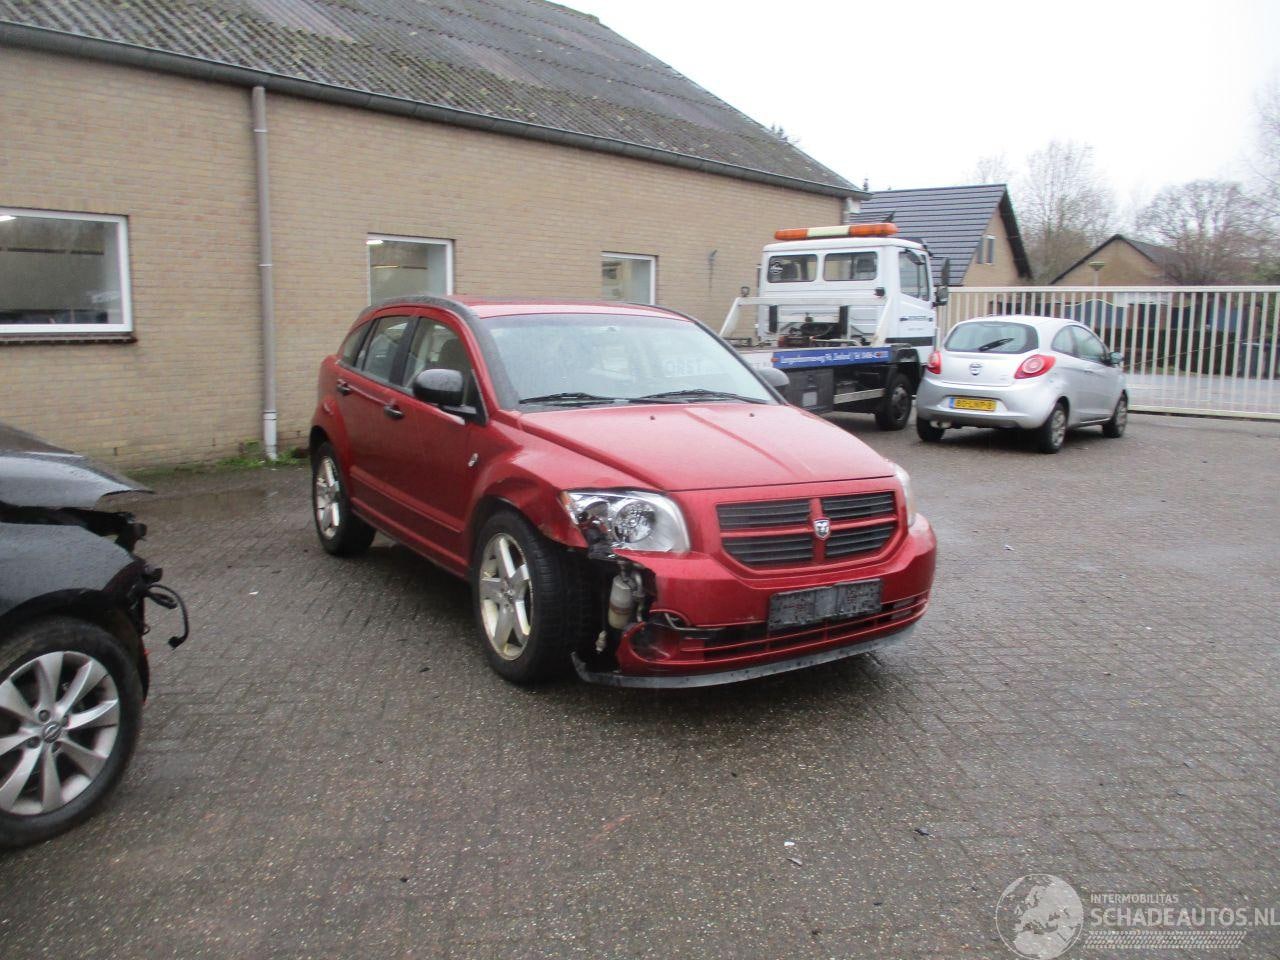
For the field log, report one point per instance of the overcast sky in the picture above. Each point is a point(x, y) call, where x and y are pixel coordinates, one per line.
point(912, 94)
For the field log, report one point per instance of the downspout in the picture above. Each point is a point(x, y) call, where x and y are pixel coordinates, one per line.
point(266, 290)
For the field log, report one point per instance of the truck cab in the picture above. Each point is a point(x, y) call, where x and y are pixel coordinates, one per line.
point(870, 289)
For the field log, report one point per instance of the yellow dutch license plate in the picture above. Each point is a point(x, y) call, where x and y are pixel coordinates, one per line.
point(969, 403)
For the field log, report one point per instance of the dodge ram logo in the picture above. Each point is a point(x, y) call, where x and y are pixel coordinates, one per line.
point(822, 528)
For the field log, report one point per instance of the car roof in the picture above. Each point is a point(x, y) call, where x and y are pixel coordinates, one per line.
point(1042, 324)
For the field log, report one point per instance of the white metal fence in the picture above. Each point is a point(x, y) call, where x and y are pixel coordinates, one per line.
point(1213, 351)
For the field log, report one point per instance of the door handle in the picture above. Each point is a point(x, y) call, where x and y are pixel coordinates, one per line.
point(392, 411)
point(343, 387)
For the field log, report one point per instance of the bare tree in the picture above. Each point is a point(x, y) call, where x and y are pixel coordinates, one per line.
point(1266, 163)
point(993, 168)
point(1213, 227)
point(1064, 205)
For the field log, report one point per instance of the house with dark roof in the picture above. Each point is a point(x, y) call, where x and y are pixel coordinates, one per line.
point(973, 226)
point(1125, 261)
point(199, 197)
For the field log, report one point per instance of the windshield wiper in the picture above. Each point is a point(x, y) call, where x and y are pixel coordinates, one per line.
point(995, 343)
point(570, 397)
point(697, 393)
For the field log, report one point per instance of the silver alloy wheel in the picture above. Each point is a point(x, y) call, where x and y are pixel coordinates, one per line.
point(1121, 414)
point(1058, 426)
point(328, 498)
point(506, 596)
point(67, 712)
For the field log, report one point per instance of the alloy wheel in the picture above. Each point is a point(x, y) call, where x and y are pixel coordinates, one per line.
point(1058, 428)
point(328, 498)
point(506, 596)
point(60, 713)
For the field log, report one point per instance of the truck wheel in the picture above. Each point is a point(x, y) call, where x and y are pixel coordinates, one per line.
point(926, 431)
point(531, 602)
point(895, 409)
point(341, 532)
point(70, 712)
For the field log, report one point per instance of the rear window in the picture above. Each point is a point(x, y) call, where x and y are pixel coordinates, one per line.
point(992, 336)
point(796, 268)
point(849, 266)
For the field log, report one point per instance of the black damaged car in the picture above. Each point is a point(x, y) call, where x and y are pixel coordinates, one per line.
point(73, 667)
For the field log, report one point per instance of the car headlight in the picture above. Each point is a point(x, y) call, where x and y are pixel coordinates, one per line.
point(908, 497)
point(629, 519)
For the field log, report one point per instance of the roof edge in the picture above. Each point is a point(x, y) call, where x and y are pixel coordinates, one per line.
point(1092, 253)
point(148, 58)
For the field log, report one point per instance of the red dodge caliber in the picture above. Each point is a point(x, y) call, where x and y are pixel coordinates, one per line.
point(621, 490)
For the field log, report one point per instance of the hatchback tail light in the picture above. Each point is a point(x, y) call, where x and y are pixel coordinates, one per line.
point(935, 362)
point(1034, 366)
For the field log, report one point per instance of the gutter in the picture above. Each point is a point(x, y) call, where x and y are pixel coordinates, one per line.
point(266, 287)
point(133, 55)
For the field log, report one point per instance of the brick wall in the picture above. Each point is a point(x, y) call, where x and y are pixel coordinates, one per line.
point(175, 156)
point(1003, 272)
point(1123, 266)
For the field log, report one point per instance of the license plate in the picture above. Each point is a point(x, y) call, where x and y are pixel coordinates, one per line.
point(840, 601)
point(970, 403)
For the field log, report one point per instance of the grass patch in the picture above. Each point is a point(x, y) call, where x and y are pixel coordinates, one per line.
point(250, 457)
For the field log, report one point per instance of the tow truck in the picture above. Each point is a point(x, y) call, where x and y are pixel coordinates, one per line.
point(849, 313)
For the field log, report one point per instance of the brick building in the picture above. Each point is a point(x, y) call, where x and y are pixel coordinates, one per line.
point(1123, 261)
point(497, 147)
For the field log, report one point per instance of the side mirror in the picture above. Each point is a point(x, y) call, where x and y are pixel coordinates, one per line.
point(774, 377)
point(941, 294)
point(1116, 359)
point(445, 389)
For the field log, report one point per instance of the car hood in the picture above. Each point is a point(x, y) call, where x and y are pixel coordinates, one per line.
point(708, 446)
point(37, 474)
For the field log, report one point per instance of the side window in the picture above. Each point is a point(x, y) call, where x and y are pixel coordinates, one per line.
point(911, 274)
point(1064, 342)
point(849, 266)
point(793, 268)
point(1089, 347)
point(380, 351)
point(435, 346)
point(351, 346)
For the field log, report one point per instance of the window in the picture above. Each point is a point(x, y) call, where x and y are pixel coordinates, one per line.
point(912, 275)
point(1088, 347)
point(793, 268)
point(63, 273)
point(351, 345)
point(849, 266)
point(436, 347)
point(378, 358)
point(992, 336)
point(990, 245)
point(1063, 342)
point(629, 277)
point(408, 267)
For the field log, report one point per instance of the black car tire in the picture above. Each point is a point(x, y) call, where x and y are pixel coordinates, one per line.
point(556, 604)
point(1051, 434)
point(895, 409)
point(927, 431)
point(66, 635)
point(1114, 428)
point(347, 535)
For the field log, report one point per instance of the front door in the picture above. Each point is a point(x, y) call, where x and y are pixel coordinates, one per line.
point(1100, 380)
point(916, 323)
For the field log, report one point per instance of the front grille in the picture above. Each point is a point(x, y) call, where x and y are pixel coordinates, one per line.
point(791, 540)
point(857, 506)
point(844, 543)
point(771, 551)
point(769, 513)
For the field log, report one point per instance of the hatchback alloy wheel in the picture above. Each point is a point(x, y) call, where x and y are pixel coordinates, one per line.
point(506, 596)
point(63, 710)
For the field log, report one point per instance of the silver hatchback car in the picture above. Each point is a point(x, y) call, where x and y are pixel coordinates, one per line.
point(1043, 374)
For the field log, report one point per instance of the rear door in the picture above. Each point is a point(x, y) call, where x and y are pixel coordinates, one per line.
point(373, 414)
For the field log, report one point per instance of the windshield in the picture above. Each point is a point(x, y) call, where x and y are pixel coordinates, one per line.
point(555, 361)
point(992, 336)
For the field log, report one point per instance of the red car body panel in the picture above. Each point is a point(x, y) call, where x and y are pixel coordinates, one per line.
point(431, 492)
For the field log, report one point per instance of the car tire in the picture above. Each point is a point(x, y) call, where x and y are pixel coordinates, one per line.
point(341, 532)
point(1114, 427)
point(895, 409)
point(530, 599)
point(927, 431)
point(85, 685)
point(1051, 434)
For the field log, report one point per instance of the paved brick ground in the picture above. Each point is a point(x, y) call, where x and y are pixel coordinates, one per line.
point(328, 768)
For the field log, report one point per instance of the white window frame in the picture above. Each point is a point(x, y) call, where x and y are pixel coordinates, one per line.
point(79, 330)
point(438, 241)
point(653, 269)
point(989, 249)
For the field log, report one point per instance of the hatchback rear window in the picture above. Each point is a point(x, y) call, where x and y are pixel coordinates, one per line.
point(993, 336)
